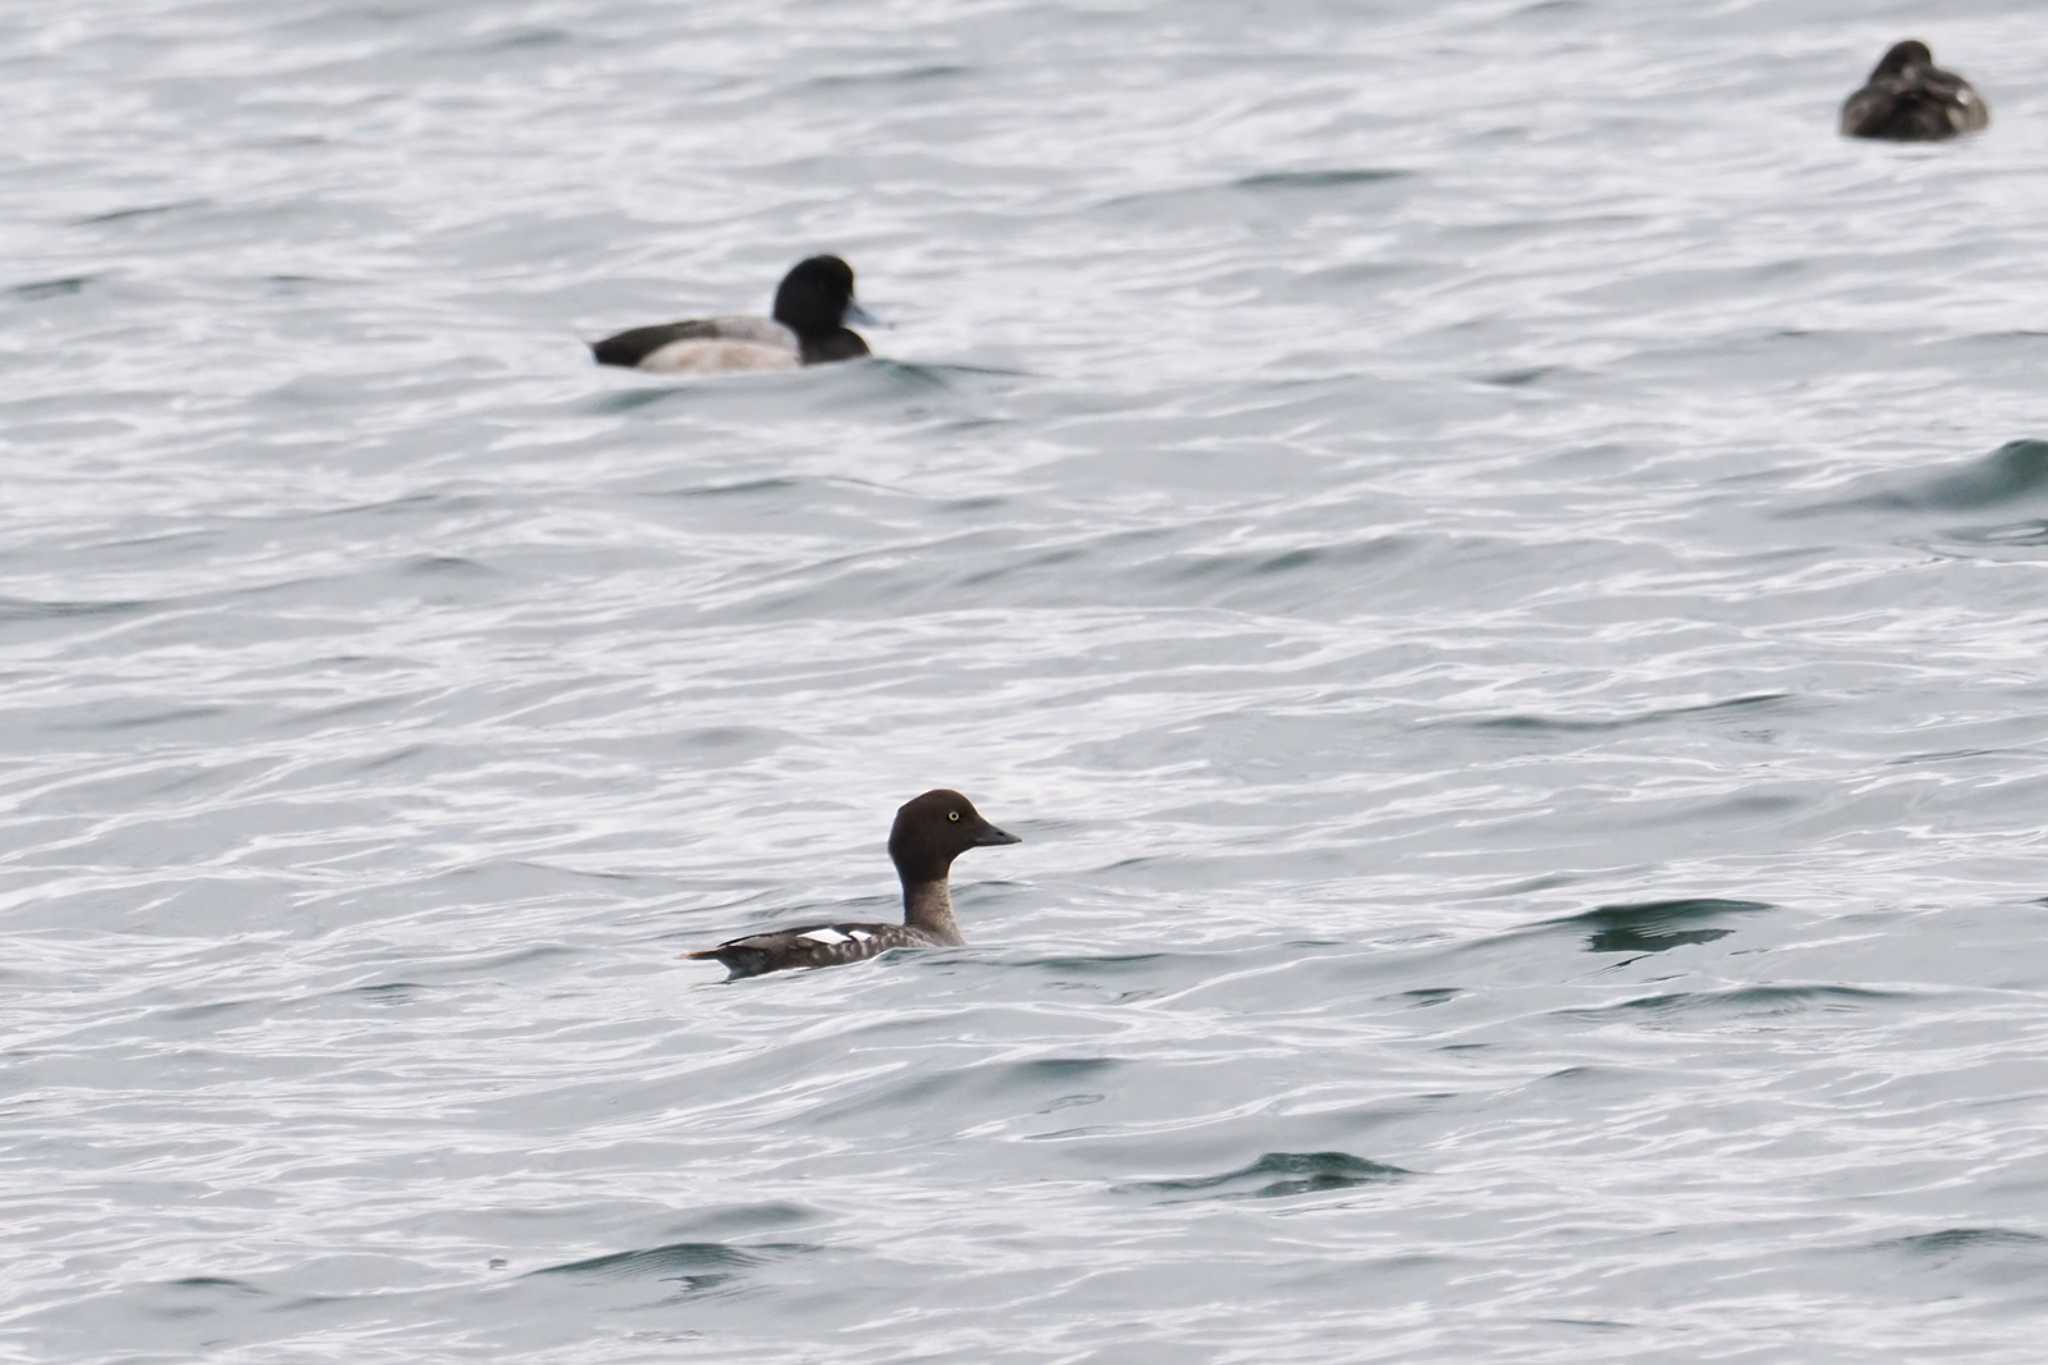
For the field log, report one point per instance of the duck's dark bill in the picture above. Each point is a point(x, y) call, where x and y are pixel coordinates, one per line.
point(991, 835)
point(856, 313)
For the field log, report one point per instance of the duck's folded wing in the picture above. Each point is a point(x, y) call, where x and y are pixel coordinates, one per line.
point(1967, 110)
point(816, 945)
point(633, 346)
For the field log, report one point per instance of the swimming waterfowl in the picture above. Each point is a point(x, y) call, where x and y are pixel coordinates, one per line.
point(930, 832)
point(812, 307)
point(1910, 99)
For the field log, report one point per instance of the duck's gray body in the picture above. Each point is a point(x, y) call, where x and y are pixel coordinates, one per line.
point(812, 306)
point(929, 833)
point(816, 945)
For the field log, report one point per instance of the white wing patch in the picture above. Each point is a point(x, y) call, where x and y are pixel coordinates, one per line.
point(824, 936)
point(863, 935)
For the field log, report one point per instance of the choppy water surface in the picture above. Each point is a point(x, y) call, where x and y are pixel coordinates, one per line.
point(1496, 564)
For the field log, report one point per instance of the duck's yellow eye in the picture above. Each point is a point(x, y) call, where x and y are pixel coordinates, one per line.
point(954, 816)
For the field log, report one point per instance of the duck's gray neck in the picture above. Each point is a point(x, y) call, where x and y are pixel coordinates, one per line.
point(929, 906)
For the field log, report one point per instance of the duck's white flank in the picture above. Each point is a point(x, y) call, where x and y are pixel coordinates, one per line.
point(707, 356)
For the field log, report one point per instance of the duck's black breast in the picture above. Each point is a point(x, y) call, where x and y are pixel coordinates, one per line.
point(814, 945)
point(844, 344)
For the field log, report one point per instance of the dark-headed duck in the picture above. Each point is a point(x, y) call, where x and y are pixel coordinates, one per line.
point(930, 832)
point(1910, 99)
point(812, 307)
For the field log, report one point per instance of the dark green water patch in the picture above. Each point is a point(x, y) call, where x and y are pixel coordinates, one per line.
point(212, 1282)
point(385, 992)
point(2006, 535)
point(737, 489)
point(1524, 377)
point(1052, 1069)
point(695, 1266)
point(1267, 563)
point(199, 1296)
point(36, 290)
point(25, 609)
point(444, 566)
point(138, 211)
point(1600, 724)
point(1337, 178)
point(1278, 1175)
point(1951, 1240)
point(1655, 926)
point(1426, 996)
point(623, 401)
point(906, 75)
point(1107, 964)
point(1749, 1000)
point(2016, 472)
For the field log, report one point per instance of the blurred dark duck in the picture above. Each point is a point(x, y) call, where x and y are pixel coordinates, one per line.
point(930, 832)
point(1910, 99)
point(812, 307)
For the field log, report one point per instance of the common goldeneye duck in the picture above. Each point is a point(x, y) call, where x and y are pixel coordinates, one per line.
point(930, 832)
point(1910, 99)
point(812, 307)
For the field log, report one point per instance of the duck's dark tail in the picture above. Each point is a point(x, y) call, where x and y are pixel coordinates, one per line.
point(738, 960)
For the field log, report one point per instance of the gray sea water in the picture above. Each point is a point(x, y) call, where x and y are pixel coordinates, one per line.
point(1498, 566)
